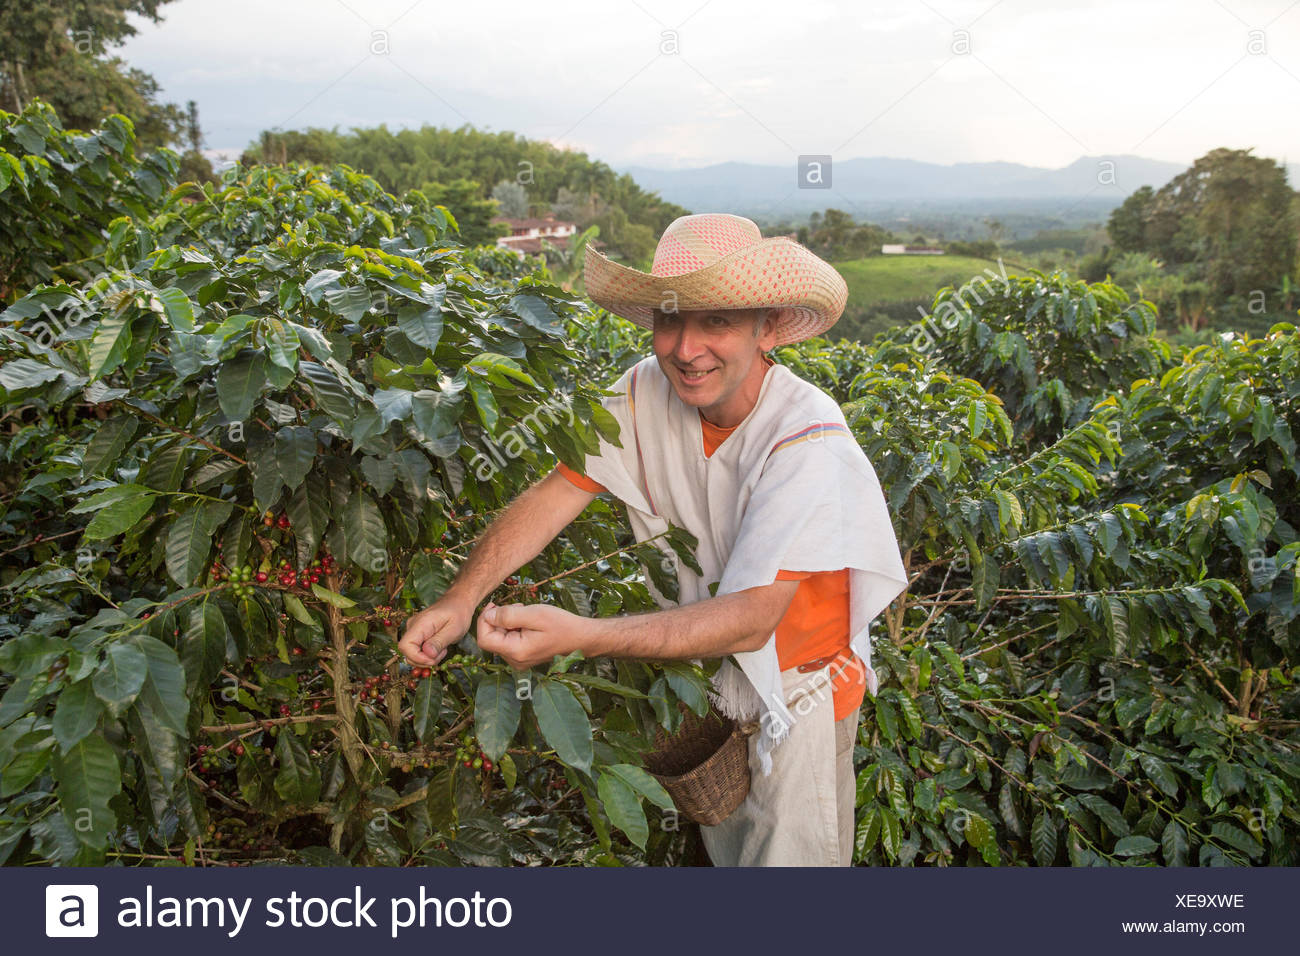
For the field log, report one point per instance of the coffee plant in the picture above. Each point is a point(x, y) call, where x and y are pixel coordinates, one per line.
point(257, 424)
point(58, 191)
point(1093, 663)
point(237, 459)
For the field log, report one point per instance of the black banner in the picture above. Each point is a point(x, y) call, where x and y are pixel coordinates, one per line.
point(261, 910)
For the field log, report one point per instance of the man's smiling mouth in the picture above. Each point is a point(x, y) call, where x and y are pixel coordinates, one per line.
point(692, 377)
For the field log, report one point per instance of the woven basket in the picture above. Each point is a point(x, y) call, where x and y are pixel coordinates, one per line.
point(704, 766)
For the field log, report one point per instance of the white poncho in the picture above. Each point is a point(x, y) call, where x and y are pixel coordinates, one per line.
point(789, 489)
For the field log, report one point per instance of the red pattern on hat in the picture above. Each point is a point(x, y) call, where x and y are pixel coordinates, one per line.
point(738, 268)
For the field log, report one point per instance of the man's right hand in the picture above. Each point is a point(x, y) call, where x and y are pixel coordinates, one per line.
point(429, 633)
point(514, 538)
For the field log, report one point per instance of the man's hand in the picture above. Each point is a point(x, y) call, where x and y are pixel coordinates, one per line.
point(529, 634)
point(514, 538)
point(429, 633)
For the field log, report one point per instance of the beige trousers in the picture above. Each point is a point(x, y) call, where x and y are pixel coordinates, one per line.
point(801, 814)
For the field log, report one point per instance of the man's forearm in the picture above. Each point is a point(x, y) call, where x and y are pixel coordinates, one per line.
point(517, 536)
point(714, 627)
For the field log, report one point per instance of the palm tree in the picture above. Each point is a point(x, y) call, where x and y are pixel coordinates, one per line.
point(568, 262)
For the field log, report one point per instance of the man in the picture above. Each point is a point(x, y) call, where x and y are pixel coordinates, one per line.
point(793, 530)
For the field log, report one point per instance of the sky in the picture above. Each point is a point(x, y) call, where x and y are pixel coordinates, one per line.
point(688, 83)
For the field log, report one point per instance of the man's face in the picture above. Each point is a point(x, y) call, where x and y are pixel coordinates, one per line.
point(713, 358)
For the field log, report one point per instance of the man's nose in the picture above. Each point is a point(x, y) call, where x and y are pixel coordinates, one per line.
point(689, 343)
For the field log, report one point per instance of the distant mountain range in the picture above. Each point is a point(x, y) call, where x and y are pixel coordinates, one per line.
point(881, 186)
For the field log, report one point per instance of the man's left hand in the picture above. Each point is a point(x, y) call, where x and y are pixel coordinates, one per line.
point(527, 635)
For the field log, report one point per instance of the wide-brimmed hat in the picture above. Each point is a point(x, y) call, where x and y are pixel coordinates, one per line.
point(719, 261)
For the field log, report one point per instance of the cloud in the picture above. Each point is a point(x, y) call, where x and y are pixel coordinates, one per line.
point(758, 80)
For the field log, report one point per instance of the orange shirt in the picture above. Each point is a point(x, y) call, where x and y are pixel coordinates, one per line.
point(817, 622)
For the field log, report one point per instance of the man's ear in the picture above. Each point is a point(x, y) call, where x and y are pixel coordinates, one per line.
point(769, 323)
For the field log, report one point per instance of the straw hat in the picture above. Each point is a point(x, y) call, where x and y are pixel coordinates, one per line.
point(719, 261)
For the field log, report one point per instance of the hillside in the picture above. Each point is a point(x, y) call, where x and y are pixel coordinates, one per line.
point(461, 167)
point(887, 290)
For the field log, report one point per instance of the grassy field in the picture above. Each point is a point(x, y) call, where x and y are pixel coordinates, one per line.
point(885, 290)
point(889, 278)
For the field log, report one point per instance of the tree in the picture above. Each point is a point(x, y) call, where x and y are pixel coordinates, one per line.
point(576, 187)
point(1230, 216)
point(581, 208)
point(570, 261)
point(279, 146)
point(1245, 219)
point(473, 214)
point(1127, 223)
point(835, 235)
point(512, 198)
point(193, 131)
point(57, 50)
point(195, 167)
point(997, 230)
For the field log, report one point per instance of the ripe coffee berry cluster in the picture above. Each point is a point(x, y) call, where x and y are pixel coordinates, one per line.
point(270, 520)
point(288, 577)
point(385, 614)
point(374, 686)
point(471, 756)
point(209, 762)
